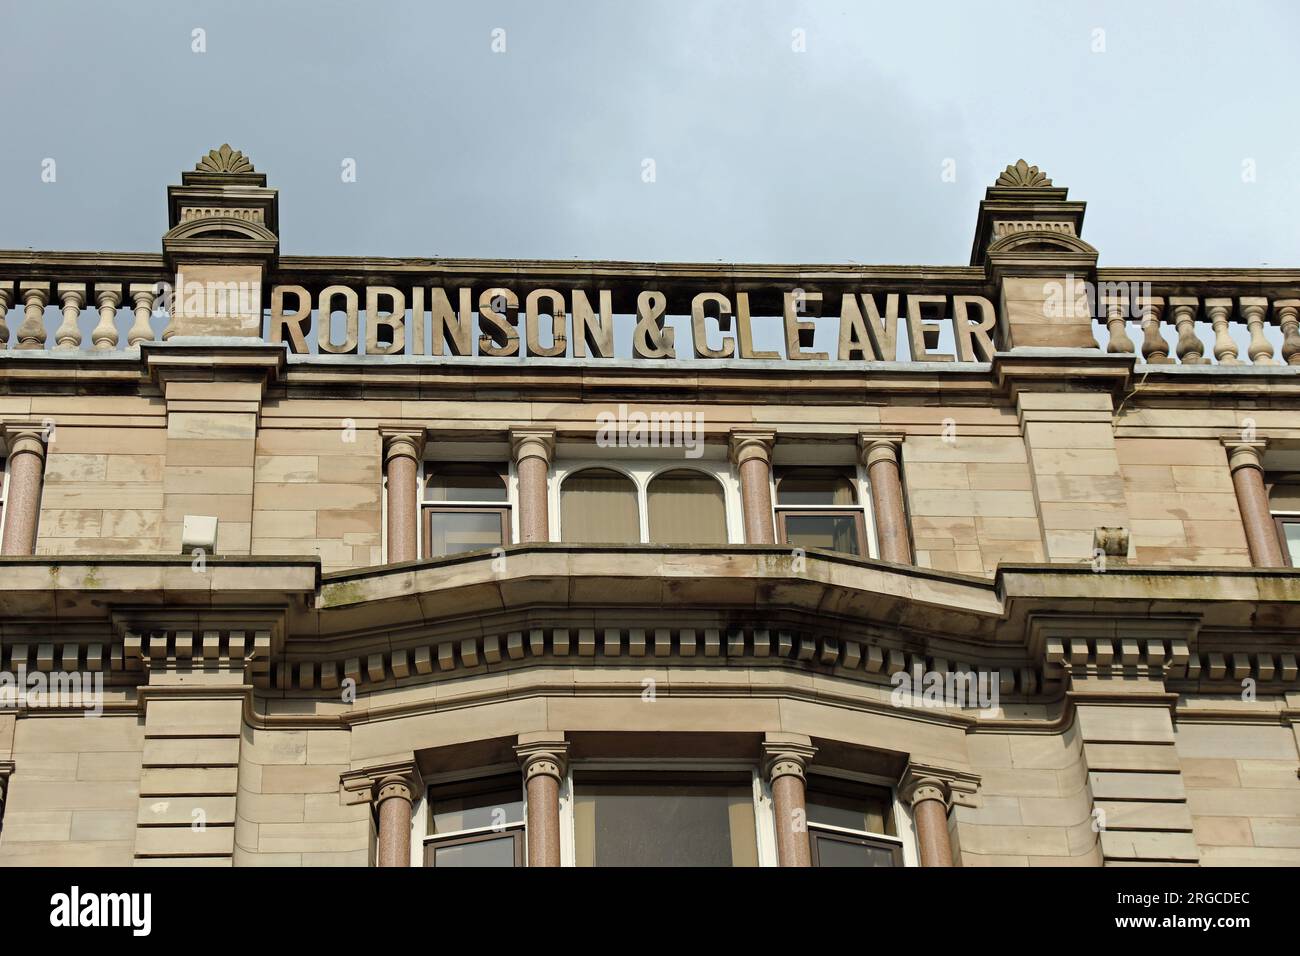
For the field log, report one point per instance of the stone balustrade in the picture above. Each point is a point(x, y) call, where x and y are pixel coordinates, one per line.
point(1201, 330)
point(93, 316)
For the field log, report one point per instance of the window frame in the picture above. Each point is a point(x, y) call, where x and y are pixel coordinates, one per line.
point(422, 816)
point(863, 510)
point(905, 837)
point(4, 490)
point(1280, 519)
point(641, 472)
point(504, 466)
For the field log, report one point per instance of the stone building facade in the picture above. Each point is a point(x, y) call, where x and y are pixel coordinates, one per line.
point(968, 565)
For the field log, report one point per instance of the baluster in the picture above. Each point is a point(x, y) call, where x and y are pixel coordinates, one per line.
point(1225, 350)
point(36, 295)
point(73, 297)
point(1190, 348)
point(108, 296)
point(1117, 323)
point(1154, 347)
point(6, 300)
point(142, 295)
point(1287, 312)
point(1253, 310)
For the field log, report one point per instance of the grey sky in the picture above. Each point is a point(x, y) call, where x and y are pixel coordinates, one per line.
point(761, 153)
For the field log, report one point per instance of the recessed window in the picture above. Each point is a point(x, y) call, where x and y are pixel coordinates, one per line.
point(1284, 502)
point(476, 823)
point(599, 506)
point(686, 507)
point(851, 824)
point(466, 508)
point(819, 508)
point(661, 819)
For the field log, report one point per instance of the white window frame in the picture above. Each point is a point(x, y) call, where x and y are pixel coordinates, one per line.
point(429, 463)
point(861, 487)
point(906, 835)
point(641, 472)
point(1281, 541)
point(421, 825)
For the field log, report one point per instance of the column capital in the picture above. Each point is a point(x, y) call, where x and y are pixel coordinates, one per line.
point(24, 436)
point(1244, 454)
point(751, 444)
point(922, 781)
point(875, 446)
point(402, 441)
point(532, 443)
point(787, 755)
point(378, 782)
point(542, 754)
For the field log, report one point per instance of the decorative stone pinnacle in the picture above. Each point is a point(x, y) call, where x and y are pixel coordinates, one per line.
point(224, 160)
point(1022, 174)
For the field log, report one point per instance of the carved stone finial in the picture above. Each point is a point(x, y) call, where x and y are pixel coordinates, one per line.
point(1022, 174)
point(224, 160)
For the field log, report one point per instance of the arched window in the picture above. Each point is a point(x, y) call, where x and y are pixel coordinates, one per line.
point(599, 506)
point(686, 507)
point(818, 508)
point(466, 508)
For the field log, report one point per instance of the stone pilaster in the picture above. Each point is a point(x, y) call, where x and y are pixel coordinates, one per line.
point(1078, 486)
point(751, 452)
point(928, 791)
point(543, 758)
point(533, 450)
point(214, 403)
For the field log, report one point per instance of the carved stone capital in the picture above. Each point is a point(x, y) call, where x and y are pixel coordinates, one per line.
point(875, 446)
point(1245, 454)
point(923, 781)
point(402, 442)
point(532, 443)
point(399, 779)
point(751, 444)
point(542, 754)
point(787, 755)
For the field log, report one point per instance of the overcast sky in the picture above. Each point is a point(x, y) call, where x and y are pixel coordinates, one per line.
point(779, 131)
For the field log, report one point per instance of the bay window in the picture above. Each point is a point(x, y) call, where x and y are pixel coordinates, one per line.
point(851, 824)
point(642, 505)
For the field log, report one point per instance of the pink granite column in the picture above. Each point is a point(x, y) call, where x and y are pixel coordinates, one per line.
point(786, 759)
point(752, 454)
point(402, 451)
point(542, 759)
point(1244, 460)
point(533, 451)
point(26, 465)
point(928, 797)
point(880, 456)
point(394, 796)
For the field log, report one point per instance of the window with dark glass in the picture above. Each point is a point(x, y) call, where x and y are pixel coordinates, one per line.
point(664, 819)
point(1284, 502)
point(465, 508)
point(819, 508)
point(851, 824)
point(476, 823)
